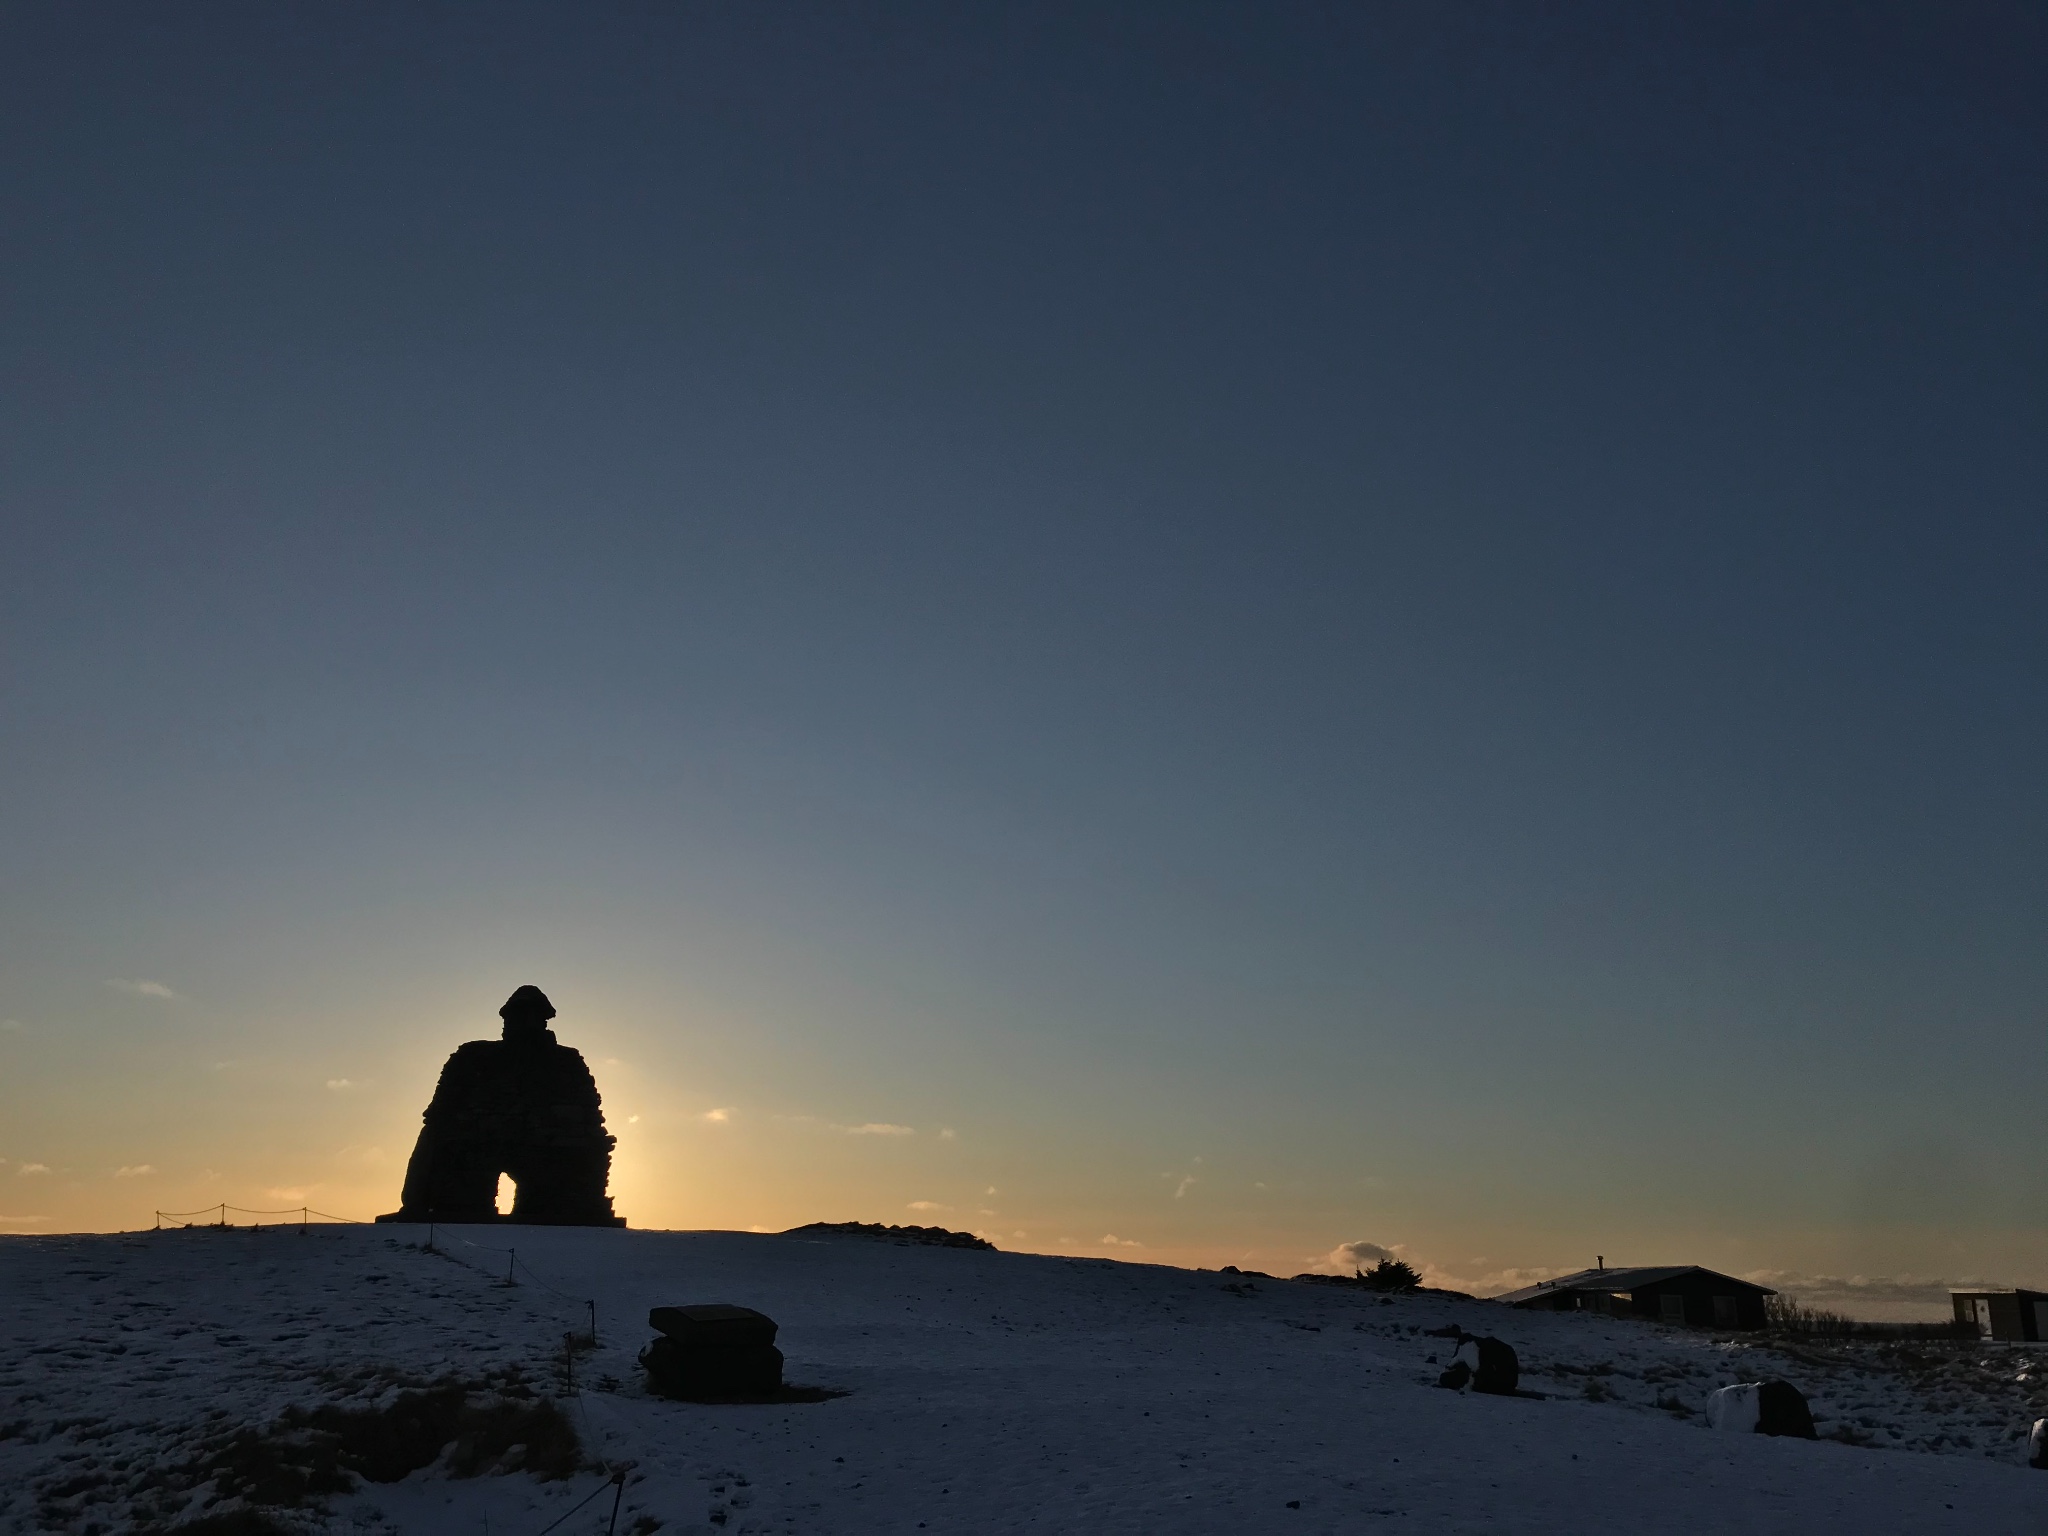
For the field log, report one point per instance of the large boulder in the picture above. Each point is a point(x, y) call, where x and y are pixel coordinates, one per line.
point(1480, 1364)
point(713, 1353)
point(902, 1237)
point(1761, 1408)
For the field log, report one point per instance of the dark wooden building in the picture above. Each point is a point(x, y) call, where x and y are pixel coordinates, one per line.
point(1684, 1295)
point(2013, 1315)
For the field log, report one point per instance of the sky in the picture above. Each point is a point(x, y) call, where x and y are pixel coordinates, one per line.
point(1204, 633)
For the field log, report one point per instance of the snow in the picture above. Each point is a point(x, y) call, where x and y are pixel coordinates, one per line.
point(1734, 1409)
point(986, 1392)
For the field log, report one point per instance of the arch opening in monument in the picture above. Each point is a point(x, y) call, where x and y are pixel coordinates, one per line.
point(524, 1110)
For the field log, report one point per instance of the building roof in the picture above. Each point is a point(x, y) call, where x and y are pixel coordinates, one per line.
point(1623, 1280)
point(2000, 1290)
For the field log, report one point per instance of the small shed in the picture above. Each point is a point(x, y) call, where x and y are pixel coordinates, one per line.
point(1684, 1295)
point(2014, 1315)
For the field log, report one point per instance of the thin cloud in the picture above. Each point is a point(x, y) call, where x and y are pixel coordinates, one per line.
point(718, 1116)
point(1111, 1240)
point(1494, 1282)
point(338, 1084)
point(1346, 1258)
point(1185, 1185)
point(927, 1205)
point(879, 1128)
point(947, 1133)
point(133, 1172)
point(21, 1221)
point(1851, 1289)
point(28, 1168)
point(145, 989)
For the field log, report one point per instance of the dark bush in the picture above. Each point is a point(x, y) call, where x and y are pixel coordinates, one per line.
point(1390, 1275)
point(1785, 1315)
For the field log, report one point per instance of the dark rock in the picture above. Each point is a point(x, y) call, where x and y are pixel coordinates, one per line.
point(713, 1326)
point(1499, 1369)
point(921, 1237)
point(1480, 1364)
point(1761, 1407)
point(525, 1106)
point(1781, 1410)
point(713, 1353)
point(722, 1373)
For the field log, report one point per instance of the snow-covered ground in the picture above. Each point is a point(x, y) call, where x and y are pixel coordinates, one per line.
point(985, 1392)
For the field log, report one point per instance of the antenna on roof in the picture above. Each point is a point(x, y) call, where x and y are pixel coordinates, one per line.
point(1599, 1261)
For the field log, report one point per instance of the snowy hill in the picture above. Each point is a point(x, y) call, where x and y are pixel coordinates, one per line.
point(985, 1392)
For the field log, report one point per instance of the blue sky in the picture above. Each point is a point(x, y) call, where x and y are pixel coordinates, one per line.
point(1439, 611)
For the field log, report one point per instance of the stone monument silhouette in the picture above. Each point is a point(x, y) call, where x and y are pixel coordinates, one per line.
point(525, 1106)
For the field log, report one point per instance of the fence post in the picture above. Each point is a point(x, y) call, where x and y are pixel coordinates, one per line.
point(593, 1323)
point(223, 1213)
point(511, 1259)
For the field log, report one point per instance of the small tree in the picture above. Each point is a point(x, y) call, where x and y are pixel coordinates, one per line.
point(1390, 1275)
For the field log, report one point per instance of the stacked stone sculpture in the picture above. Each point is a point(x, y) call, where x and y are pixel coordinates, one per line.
point(713, 1354)
point(525, 1106)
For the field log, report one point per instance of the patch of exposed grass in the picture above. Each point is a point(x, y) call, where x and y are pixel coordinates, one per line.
point(232, 1522)
point(308, 1454)
point(1784, 1315)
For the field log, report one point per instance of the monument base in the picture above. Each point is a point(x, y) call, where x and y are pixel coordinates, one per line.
point(495, 1218)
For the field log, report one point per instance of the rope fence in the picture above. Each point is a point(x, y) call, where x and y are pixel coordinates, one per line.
point(513, 1265)
point(616, 1479)
point(305, 1213)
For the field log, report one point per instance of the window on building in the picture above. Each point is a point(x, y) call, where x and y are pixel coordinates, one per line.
point(1724, 1312)
point(1671, 1308)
